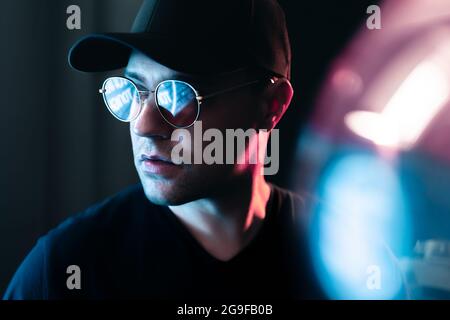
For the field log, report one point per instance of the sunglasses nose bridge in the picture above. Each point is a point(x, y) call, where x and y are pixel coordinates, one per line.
point(145, 98)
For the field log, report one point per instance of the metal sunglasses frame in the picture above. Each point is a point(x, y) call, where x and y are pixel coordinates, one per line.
point(143, 95)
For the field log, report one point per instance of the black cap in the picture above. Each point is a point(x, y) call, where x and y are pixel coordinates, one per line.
point(195, 36)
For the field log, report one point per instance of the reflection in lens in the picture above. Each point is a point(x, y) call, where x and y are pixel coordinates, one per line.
point(177, 102)
point(122, 98)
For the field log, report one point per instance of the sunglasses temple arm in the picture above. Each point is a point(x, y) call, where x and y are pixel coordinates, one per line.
point(201, 98)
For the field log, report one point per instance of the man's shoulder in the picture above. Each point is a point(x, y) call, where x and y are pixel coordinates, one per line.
point(109, 220)
point(89, 239)
point(104, 212)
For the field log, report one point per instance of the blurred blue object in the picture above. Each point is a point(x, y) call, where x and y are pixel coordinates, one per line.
point(362, 215)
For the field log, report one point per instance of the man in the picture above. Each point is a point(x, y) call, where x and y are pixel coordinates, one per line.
point(189, 230)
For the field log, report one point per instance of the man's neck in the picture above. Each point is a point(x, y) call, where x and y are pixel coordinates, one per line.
point(225, 224)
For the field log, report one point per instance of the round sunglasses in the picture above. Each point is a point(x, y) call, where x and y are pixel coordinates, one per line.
point(177, 101)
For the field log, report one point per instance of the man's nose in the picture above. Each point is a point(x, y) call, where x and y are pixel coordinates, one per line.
point(150, 123)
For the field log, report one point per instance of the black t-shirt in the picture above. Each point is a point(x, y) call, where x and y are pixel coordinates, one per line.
point(128, 247)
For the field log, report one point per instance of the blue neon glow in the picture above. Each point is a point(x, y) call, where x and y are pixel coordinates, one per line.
point(362, 215)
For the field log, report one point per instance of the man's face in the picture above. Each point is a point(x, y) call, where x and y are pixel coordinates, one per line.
point(169, 184)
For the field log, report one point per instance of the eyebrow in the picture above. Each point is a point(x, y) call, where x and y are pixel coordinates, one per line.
point(134, 76)
point(138, 78)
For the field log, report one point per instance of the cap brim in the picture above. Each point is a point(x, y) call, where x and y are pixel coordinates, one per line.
point(110, 51)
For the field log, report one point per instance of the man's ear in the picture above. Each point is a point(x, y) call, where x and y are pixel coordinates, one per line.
point(278, 99)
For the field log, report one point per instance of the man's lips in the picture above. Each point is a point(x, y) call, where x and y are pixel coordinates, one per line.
point(154, 158)
point(159, 165)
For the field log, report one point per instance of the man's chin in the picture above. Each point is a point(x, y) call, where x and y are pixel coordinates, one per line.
point(164, 193)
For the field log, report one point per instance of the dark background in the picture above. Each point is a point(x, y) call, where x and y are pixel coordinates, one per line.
point(60, 149)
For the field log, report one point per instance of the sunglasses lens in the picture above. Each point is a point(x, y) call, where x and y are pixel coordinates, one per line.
point(122, 98)
point(177, 102)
